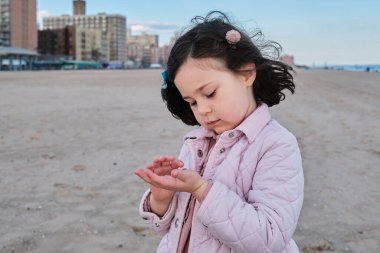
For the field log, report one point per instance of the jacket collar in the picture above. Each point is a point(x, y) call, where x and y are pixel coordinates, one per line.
point(255, 122)
point(250, 127)
point(199, 133)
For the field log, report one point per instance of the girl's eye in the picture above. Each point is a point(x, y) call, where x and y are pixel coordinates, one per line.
point(211, 94)
point(193, 103)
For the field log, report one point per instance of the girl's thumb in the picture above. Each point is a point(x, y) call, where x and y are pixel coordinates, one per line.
point(178, 173)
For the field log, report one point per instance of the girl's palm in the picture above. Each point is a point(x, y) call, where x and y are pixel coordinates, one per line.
point(161, 166)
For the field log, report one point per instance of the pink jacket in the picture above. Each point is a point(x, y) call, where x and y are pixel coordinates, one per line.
point(256, 196)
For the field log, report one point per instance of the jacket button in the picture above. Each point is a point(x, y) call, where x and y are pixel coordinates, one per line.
point(200, 153)
point(231, 135)
point(222, 150)
point(157, 225)
point(176, 223)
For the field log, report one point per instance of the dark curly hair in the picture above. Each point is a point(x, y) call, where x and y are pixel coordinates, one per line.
point(207, 39)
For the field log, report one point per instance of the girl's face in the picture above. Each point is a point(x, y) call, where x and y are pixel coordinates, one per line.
point(219, 98)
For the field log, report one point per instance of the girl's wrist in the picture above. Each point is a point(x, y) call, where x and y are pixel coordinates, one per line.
point(159, 207)
point(198, 192)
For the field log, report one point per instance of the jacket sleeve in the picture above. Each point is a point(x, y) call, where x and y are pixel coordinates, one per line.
point(266, 219)
point(158, 224)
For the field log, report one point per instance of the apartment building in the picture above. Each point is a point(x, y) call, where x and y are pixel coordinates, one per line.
point(143, 39)
point(57, 43)
point(91, 44)
point(112, 27)
point(143, 49)
point(75, 43)
point(18, 24)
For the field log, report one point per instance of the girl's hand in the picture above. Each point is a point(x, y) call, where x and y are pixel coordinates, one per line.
point(179, 180)
point(161, 166)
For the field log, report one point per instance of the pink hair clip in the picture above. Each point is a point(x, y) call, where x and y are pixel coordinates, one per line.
point(233, 37)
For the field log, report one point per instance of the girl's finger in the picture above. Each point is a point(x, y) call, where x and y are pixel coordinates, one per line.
point(147, 177)
point(157, 158)
point(162, 164)
point(143, 175)
point(178, 164)
point(169, 158)
point(151, 166)
point(161, 159)
point(173, 163)
point(156, 164)
point(167, 167)
point(161, 171)
point(166, 163)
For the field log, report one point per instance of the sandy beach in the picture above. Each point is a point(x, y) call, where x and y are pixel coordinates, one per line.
point(70, 141)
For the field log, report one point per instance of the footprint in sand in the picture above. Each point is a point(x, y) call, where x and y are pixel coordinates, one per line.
point(374, 151)
point(321, 246)
point(143, 231)
point(72, 193)
point(79, 167)
point(48, 156)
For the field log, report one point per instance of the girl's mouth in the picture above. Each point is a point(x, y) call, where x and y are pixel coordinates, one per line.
point(212, 123)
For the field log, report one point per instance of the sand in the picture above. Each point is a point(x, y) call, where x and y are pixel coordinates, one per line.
point(70, 141)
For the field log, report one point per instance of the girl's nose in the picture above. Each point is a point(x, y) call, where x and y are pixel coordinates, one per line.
point(203, 108)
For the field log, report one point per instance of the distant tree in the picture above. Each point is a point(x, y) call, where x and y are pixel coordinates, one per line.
point(96, 55)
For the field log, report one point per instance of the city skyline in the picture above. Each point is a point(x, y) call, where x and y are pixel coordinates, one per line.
point(323, 32)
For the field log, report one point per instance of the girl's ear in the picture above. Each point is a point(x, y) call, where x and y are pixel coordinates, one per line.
point(248, 73)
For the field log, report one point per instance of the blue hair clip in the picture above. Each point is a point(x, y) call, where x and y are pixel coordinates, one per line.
point(165, 77)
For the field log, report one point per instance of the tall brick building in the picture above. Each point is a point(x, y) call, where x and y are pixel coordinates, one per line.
point(18, 24)
point(79, 7)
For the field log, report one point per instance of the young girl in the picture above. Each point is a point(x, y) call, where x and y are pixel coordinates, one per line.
point(237, 185)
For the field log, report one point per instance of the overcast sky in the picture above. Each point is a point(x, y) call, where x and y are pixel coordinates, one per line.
point(315, 32)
